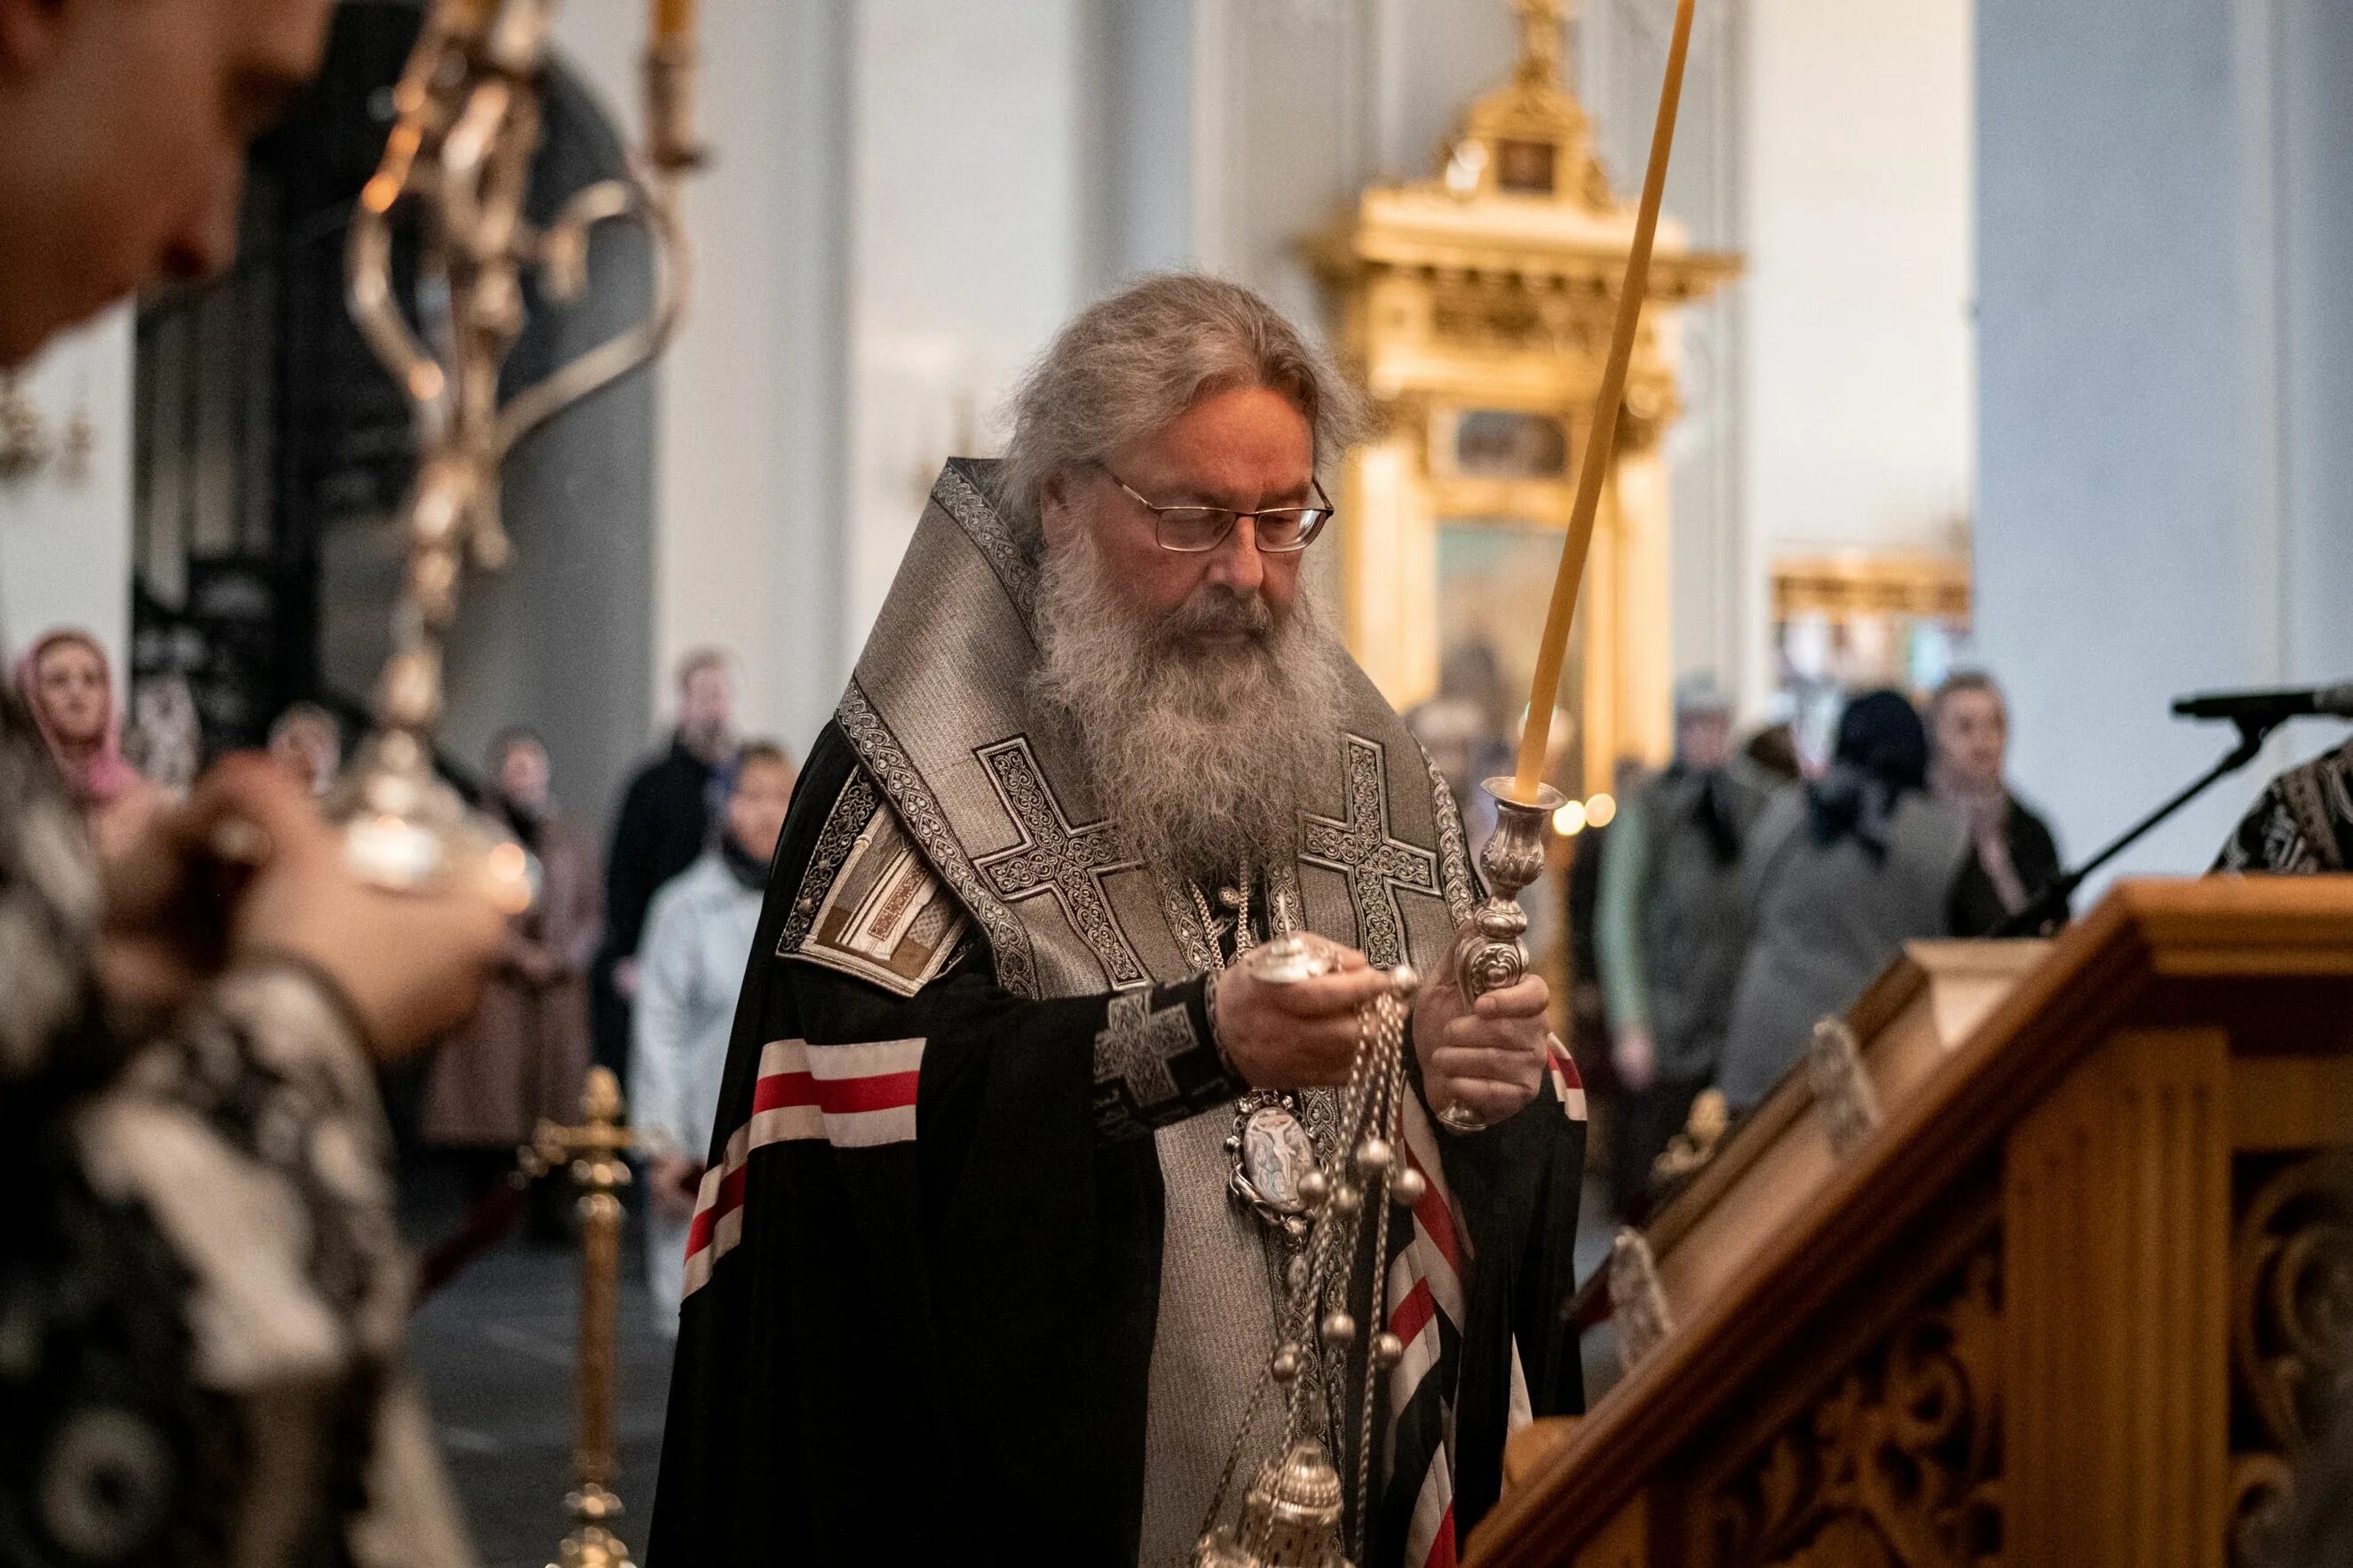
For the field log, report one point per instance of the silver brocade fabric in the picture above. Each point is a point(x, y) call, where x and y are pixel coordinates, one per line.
point(939, 712)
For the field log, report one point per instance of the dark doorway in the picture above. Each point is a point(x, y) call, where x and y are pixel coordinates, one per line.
point(273, 452)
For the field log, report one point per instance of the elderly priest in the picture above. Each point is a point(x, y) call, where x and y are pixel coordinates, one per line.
point(1005, 1180)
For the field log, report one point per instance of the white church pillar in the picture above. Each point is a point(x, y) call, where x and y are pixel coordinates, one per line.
point(2163, 261)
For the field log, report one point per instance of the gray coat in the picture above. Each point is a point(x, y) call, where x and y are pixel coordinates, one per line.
point(1672, 936)
point(1825, 920)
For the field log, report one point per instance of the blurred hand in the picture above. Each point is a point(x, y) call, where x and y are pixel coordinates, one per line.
point(1490, 1055)
point(624, 978)
point(162, 935)
point(1635, 1056)
point(411, 964)
point(1291, 1035)
point(673, 1181)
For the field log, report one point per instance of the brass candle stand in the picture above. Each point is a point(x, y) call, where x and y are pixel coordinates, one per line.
point(1488, 953)
point(468, 108)
point(593, 1156)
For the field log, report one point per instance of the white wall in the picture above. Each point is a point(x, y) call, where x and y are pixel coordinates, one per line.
point(967, 214)
point(1716, 581)
point(1859, 424)
point(65, 545)
point(749, 461)
point(2164, 261)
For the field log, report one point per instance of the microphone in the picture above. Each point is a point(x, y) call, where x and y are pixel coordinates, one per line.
point(2269, 707)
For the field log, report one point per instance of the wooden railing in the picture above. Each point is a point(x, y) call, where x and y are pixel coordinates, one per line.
point(2079, 1297)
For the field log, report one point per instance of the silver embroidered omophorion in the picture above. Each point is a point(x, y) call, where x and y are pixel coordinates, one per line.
point(1294, 1513)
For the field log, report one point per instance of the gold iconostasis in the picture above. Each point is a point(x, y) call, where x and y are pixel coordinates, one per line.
point(1475, 307)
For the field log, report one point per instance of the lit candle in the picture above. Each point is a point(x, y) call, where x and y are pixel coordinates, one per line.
point(1603, 437)
point(673, 22)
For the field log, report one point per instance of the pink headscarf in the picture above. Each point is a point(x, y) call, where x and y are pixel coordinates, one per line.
point(104, 776)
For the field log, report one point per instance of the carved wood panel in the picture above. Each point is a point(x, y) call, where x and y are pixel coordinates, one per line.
point(1898, 1464)
point(2291, 1329)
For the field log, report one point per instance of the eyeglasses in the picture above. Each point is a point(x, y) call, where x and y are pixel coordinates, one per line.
point(1193, 530)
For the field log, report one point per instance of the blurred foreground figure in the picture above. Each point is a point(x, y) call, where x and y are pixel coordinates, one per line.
point(691, 965)
point(201, 1293)
point(986, 1259)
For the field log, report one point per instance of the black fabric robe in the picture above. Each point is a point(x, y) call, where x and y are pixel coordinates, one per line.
point(938, 1349)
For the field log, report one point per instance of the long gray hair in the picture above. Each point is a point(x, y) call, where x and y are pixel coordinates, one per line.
point(1131, 364)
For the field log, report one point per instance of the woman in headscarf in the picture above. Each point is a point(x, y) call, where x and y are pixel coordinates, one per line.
point(1838, 875)
point(68, 688)
point(525, 1052)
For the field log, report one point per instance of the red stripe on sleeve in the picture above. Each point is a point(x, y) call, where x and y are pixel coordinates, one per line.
point(881, 1092)
point(729, 1199)
point(779, 1090)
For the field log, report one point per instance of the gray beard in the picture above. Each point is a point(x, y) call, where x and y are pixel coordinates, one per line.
point(1198, 746)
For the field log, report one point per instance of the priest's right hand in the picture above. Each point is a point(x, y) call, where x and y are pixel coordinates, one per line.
point(1294, 1035)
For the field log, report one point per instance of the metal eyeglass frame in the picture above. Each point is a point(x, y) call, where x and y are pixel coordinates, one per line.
point(1306, 534)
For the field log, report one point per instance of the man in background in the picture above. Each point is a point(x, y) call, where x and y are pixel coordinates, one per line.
point(1668, 935)
point(690, 968)
point(665, 822)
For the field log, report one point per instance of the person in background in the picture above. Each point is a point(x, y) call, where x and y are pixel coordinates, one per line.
point(1668, 937)
point(308, 742)
point(2012, 854)
point(524, 1053)
point(1838, 875)
point(166, 739)
point(204, 1291)
point(691, 966)
point(1772, 750)
point(67, 686)
point(1588, 1010)
point(1465, 728)
point(664, 824)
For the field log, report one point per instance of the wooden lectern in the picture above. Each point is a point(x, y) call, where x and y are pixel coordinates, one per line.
point(2045, 1257)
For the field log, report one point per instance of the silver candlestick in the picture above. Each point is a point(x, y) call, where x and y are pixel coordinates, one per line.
point(1488, 953)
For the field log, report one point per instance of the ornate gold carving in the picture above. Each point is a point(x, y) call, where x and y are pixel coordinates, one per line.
point(1637, 1301)
point(1695, 1146)
point(1491, 288)
point(2291, 1333)
point(1842, 1090)
point(1899, 1464)
point(1843, 588)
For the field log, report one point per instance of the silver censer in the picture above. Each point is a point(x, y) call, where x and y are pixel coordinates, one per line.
point(1488, 953)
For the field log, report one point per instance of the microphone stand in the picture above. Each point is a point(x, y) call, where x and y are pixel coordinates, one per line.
point(2049, 906)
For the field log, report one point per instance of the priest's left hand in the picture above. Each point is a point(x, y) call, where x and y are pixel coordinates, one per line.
point(1490, 1055)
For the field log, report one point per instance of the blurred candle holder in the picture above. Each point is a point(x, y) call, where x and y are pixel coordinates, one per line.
point(467, 115)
